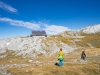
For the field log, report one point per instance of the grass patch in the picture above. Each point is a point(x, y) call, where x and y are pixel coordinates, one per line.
point(90, 71)
point(19, 72)
point(64, 73)
point(73, 68)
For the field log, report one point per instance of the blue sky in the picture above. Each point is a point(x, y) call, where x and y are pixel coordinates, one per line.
point(20, 17)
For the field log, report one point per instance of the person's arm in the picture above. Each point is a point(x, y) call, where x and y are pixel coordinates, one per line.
point(63, 53)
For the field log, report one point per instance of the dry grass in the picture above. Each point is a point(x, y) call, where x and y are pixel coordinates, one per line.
point(69, 67)
point(93, 39)
point(57, 41)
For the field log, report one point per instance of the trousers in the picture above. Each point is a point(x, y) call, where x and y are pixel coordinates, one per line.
point(61, 62)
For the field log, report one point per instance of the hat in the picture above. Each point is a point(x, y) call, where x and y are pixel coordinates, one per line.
point(60, 48)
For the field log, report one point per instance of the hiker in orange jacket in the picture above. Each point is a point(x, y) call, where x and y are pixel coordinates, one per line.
point(60, 57)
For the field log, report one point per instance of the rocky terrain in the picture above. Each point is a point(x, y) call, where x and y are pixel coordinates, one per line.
point(37, 55)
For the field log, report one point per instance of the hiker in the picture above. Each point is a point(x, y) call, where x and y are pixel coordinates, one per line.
point(60, 57)
point(83, 55)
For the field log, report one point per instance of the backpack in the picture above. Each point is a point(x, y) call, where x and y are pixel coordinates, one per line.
point(60, 58)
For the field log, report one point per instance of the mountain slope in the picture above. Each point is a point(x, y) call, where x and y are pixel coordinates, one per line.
point(47, 46)
point(91, 29)
point(37, 55)
point(33, 46)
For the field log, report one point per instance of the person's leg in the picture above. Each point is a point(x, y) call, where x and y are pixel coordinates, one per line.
point(60, 62)
point(83, 57)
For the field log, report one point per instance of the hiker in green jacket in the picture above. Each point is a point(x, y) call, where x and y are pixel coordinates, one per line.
point(60, 57)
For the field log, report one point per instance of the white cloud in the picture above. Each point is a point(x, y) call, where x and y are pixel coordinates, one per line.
point(7, 7)
point(29, 25)
point(50, 29)
point(54, 29)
